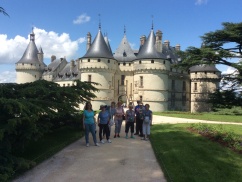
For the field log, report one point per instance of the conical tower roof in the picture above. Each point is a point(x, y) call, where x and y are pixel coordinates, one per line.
point(124, 51)
point(99, 48)
point(107, 42)
point(31, 53)
point(148, 50)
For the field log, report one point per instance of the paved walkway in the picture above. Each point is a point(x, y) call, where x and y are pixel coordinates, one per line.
point(123, 160)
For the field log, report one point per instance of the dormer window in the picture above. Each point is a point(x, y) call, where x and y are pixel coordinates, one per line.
point(124, 54)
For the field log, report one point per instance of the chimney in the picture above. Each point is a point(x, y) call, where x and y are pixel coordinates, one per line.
point(72, 65)
point(167, 43)
point(178, 47)
point(158, 41)
point(53, 57)
point(89, 39)
point(142, 40)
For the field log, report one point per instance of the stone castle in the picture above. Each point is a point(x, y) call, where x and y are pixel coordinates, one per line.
point(128, 75)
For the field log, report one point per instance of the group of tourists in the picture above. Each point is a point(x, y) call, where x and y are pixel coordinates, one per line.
point(140, 117)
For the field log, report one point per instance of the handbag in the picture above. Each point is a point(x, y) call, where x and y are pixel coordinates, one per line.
point(147, 119)
point(111, 122)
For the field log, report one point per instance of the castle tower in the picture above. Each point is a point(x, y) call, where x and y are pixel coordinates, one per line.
point(99, 65)
point(151, 75)
point(41, 55)
point(124, 74)
point(204, 80)
point(29, 68)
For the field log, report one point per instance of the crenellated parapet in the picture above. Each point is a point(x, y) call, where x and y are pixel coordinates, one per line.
point(29, 66)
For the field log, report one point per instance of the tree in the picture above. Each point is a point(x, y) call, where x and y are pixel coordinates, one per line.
point(218, 47)
point(3, 11)
point(28, 111)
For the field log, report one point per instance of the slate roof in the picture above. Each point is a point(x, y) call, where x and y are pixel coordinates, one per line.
point(53, 66)
point(99, 48)
point(124, 52)
point(30, 55)
point(148, 50)
point(170, 53)
point(202, 68)
point(68, 73)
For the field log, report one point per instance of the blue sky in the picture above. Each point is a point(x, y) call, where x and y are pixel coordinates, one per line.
point(61, 26)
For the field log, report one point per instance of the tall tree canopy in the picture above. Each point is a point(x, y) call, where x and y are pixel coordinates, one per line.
point(28, 111)
point(218, 47)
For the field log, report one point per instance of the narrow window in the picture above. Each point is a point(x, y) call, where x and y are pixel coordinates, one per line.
point(64, 85)
point(89, 78)
point(131, 88)
point(164, 62)
point(129, 64)
point(108, 61)
point(141, 81)
point(152, 61)
point(68, 84)
point(139, 62)
point(184, 86)
point(122, 79)
point(124, 64)
point(99, 60)
point(141, 98)
point(195, 86)
point(88, 60)
point(184, 100)
point(173, 84)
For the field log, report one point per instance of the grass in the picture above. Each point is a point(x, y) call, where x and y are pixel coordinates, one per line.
point(185, 156)
point(203, 116)
point(48, 145)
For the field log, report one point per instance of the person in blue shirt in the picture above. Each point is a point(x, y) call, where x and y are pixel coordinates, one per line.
point(89, 123)
point(103, 121)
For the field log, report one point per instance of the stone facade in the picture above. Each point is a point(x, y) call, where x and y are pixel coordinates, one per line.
point(127, 75)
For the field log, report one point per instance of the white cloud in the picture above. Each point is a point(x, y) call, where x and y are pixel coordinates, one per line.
point(83, 18)
point(132, 45)
point(11, 50)
point(200, 2)
point(8, 77)
point(230, 70)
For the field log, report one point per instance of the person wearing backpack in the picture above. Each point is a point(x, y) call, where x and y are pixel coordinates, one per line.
point(139, 109)
point(130, 119)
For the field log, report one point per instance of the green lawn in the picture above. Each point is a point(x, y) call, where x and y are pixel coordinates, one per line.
point(186, 156)
point(202, 116)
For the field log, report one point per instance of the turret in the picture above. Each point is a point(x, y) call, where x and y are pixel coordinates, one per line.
point(158, 40)
point(89, 40)
point(31, 66)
